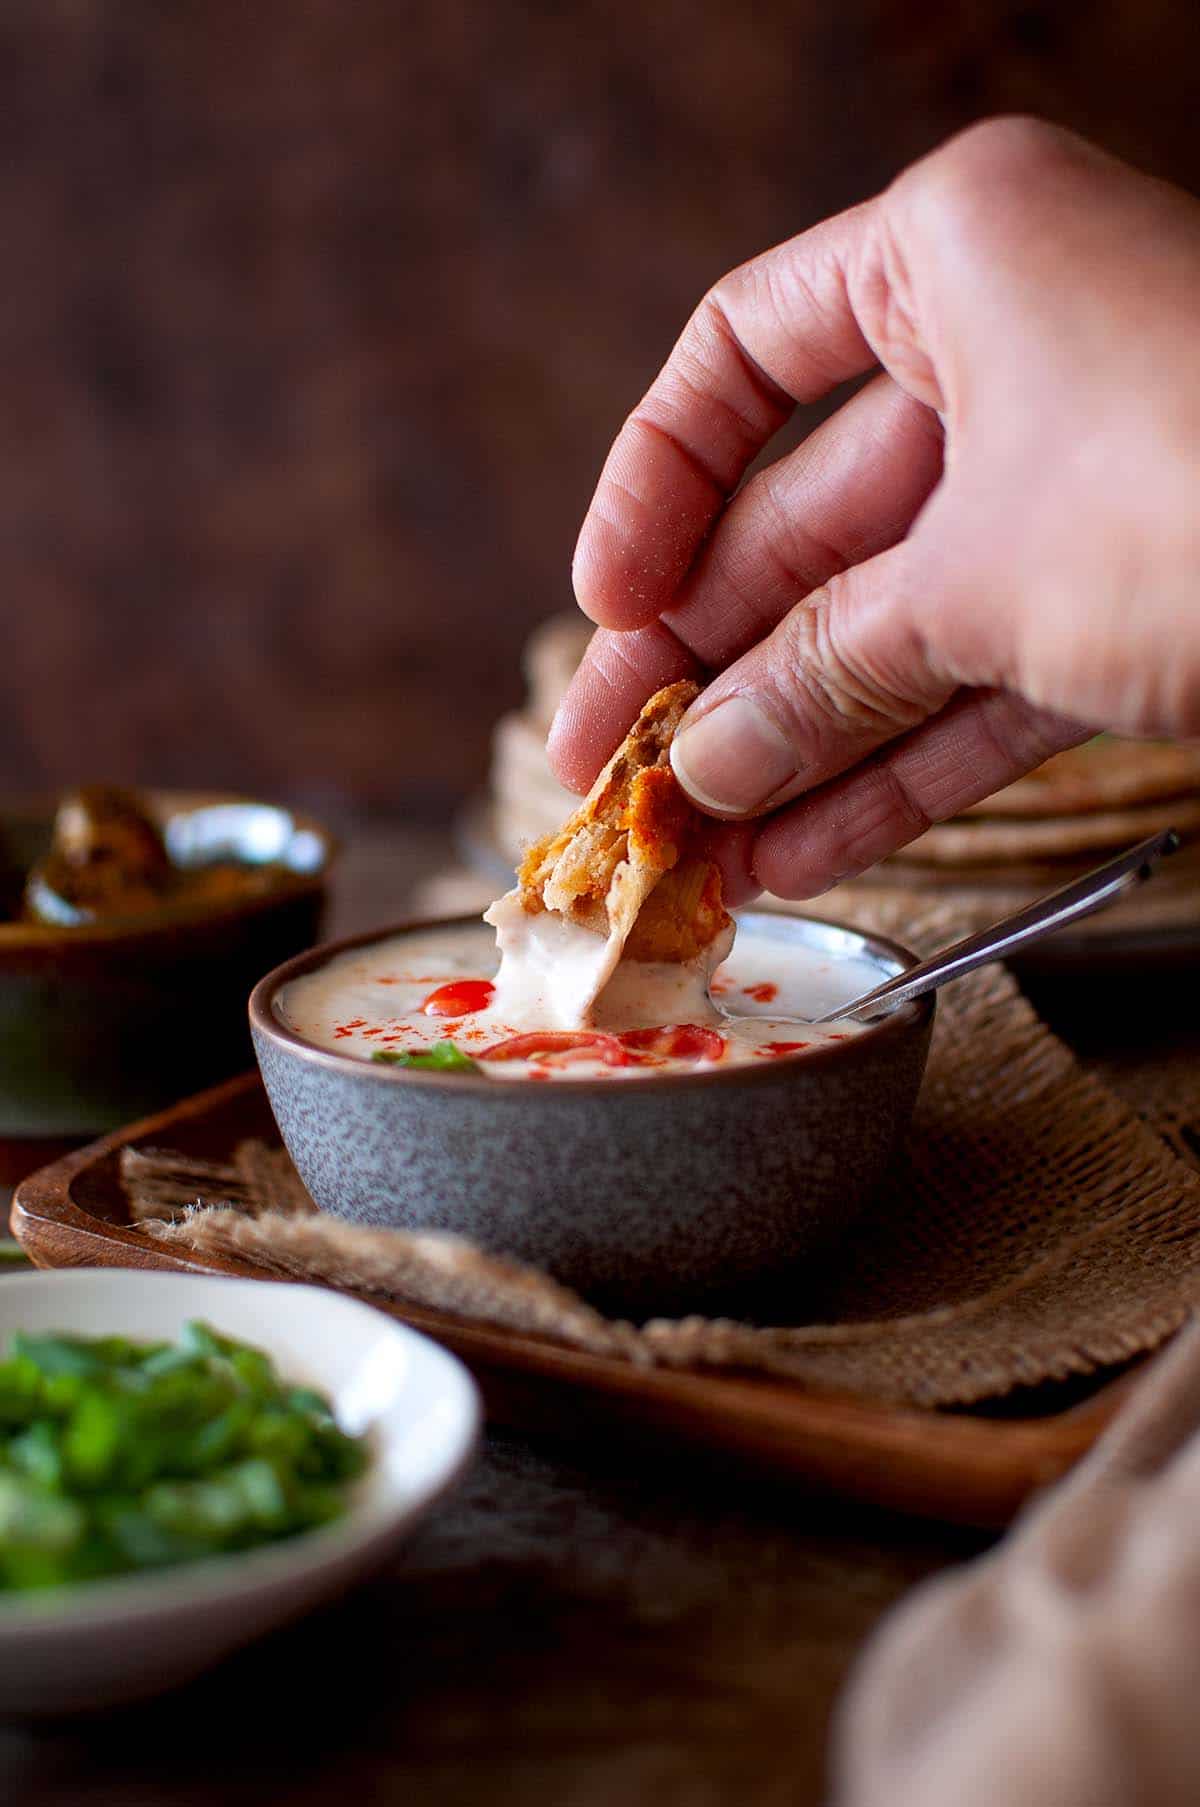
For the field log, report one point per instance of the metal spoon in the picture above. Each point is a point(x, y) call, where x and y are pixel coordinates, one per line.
point(1081, 898)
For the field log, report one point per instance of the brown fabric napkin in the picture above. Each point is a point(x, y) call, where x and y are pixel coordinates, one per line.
point(1060, 1670)
point(1036, 1229)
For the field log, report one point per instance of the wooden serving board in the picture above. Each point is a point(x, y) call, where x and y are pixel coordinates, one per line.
point(969, 1467)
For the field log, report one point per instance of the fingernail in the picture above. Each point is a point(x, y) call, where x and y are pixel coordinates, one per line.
point(733, 758)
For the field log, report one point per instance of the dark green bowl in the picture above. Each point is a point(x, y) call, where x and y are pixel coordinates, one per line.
point(107, 1022)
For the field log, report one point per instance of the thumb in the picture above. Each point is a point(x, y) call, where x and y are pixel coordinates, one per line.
point(844, 672)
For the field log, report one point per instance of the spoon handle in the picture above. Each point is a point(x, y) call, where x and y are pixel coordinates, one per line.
point(1095, 891)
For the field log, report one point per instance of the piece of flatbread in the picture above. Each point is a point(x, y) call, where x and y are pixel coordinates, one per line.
point(618, 847)
point(623, 868)
point(980, 842)
point(1103, 774)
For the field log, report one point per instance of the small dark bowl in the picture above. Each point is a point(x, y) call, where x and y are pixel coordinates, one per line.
point(109, 1021)
point(645, 1194)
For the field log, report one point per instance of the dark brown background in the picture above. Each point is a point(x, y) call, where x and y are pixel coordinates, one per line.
point(316, 319)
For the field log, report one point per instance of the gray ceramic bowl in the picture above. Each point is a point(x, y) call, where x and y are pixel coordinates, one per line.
point(654, 1194)
point(109, 1021)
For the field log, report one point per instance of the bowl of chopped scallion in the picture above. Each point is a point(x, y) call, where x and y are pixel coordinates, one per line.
point(187, 1462)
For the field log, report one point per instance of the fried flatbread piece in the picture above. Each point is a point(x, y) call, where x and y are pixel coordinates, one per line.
point(621, 865)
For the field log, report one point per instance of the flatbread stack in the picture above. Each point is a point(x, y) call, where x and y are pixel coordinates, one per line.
point(1048, 827)
point(1093, 799)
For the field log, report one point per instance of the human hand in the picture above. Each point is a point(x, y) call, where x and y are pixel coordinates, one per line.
point(985, 555)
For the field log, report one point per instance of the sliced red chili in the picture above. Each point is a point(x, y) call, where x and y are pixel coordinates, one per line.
point(560, 1047)
point(681, 1041)
point(460, 998)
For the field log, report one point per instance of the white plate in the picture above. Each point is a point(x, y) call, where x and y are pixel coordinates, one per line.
point(102, 1642)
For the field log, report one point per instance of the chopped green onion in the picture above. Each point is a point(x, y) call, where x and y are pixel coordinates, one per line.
point(117, 1456)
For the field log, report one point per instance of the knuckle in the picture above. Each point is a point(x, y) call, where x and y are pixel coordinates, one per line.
point(711, 342)
point(822, 671)
point(781, 298)
point(815, 847)
point(802, 556)
point(819, 684)
point(1011, 148)
point(887, 815)
point(711, 397)
point(798, 290)
point(696, 373)
point(979, 184)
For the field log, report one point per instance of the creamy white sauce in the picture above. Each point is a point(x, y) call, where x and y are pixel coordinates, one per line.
point(555, 975)
point(763, 999)
point(551, 971)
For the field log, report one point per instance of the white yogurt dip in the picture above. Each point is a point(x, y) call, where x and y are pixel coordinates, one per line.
point(555, 975)
point(407, 993)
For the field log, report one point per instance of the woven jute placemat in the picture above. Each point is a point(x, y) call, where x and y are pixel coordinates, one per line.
point(1038, 1227)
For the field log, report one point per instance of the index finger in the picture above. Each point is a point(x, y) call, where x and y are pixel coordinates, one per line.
point(779, 330)
point(848, 492)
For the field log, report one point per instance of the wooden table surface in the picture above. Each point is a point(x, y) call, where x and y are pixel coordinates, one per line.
point(562, 1632)
point(566, 1632)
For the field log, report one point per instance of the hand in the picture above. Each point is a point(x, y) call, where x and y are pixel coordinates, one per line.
point(989, 552)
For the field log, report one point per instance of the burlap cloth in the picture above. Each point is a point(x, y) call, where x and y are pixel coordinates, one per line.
point(1037, 1228)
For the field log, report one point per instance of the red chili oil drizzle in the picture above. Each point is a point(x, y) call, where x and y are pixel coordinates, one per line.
point(635, 1048)
point(561, 1047)
point(683, 1041)
point(774, 1048)
point(764, 993)
point(462, 997)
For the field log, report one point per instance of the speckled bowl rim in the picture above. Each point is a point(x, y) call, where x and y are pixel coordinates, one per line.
point(905, 1023)
point(17, 937)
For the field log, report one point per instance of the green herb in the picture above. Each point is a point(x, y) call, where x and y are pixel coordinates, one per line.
point(116, 1456)
point(12, 1254)
point(443, 1057)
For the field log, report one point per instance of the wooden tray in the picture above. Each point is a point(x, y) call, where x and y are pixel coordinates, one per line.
point(969, 1467)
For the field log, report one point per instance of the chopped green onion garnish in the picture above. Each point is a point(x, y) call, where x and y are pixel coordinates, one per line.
point(117, 1455)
